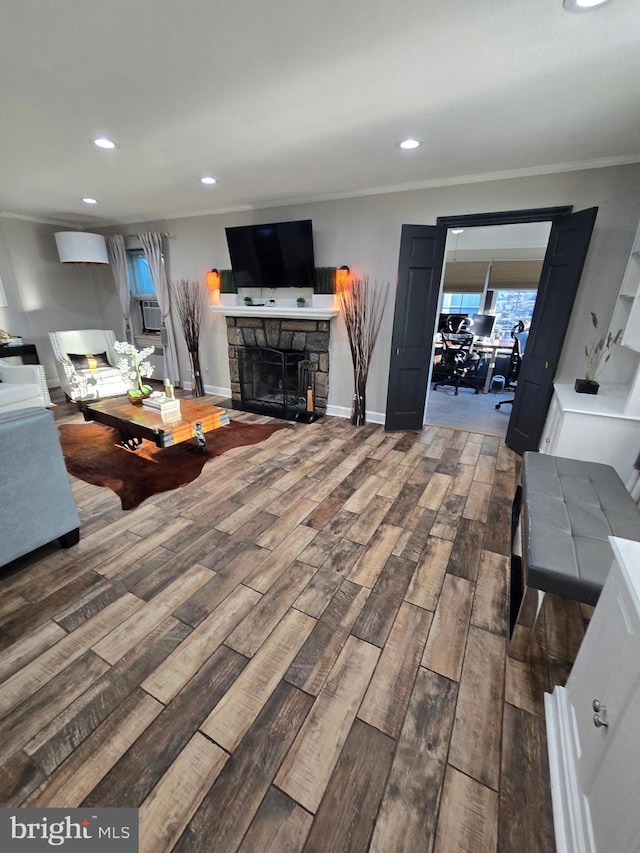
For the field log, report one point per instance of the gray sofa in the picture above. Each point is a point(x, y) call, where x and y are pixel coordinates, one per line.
point(36, 502)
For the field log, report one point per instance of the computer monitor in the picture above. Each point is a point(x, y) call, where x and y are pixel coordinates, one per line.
point(453, 323)
point(481, 325)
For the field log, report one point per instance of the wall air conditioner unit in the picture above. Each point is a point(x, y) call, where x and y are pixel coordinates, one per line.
point(151, 316)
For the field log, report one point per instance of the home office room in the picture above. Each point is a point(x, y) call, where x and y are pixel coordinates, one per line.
point(319, 432)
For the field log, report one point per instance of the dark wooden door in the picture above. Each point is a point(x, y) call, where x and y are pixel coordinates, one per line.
point(419, 273)
point(559, 280)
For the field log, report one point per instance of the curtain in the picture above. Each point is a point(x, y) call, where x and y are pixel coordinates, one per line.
point(118, 260)
point(152, 245)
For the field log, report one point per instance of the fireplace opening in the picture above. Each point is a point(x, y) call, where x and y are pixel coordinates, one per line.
point(277, 383)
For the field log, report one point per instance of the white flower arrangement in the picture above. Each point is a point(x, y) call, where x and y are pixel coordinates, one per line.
point(133, 367)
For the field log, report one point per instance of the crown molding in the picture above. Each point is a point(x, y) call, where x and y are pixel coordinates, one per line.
point(479, 178)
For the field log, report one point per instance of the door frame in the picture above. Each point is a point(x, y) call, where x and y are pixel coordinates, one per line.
point(501, 217)
point(505, 217)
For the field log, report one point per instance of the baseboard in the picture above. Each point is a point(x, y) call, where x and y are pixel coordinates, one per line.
point(343, 412)
point(218, 390)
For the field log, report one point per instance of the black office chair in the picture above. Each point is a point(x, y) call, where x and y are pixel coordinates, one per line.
point(519, 335)
point(458, 364)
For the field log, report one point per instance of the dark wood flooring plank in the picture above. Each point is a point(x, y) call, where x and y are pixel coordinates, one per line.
point(227, 810)
point(133, 777)
point(181, 665)
point(525, 785)
point(229, 721)
point(59, 738)
point(467, 547)
point(329, 577)
point(18, 778)
point(491, 601)
point(196, 609)
point(387, 697)
point(72, 646)
point(346, 817)
point(172, 803)
point(426, 583)
point(306, 770)
point(279, 824)
point(379, 613)
point(412, 540)
point(407, 819)
point(312, 664)
point(476, 736)
point(254, 629)
point(468, 816)
point(448, 635)
point(96, 755)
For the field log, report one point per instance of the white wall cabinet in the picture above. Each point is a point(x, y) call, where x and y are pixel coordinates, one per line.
point(605, 427)
point(593, 724)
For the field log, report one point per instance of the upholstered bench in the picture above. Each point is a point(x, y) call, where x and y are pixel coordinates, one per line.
point(564, 511)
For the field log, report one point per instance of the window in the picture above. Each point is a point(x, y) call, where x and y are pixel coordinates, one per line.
point(512, 306)
point(461, 303)
point(140, 281)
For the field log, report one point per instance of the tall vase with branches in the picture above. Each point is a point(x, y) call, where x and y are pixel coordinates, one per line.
point(190, 302)
point(362, 307)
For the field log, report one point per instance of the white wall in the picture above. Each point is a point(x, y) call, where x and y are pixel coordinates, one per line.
point(43, 294)
point(361, 232)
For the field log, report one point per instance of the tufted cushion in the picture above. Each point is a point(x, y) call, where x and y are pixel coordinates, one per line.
point(569, 510)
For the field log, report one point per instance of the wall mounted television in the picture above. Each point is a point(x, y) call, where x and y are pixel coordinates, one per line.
point(276, 254)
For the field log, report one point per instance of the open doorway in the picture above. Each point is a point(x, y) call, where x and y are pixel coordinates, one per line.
point(488, 291)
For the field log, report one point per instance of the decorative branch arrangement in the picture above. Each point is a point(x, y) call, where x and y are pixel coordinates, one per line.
point(362, 308)
point(189, 300)
point(599, 352)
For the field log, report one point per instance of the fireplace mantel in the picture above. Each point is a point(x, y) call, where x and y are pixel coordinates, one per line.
point(277, 312)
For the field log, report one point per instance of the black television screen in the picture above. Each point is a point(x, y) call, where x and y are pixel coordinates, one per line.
point(276, 254)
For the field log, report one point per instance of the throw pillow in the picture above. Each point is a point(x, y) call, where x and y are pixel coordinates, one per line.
point(88, 361)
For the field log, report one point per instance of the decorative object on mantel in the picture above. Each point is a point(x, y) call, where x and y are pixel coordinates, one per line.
point(325, 280)
point(301, 301)
point(134, 368)
point(189, 301)
point(596, 356)
point(363, 306)
point(248, 301)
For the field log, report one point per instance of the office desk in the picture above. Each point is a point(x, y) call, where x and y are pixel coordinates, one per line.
point(27, 352)
point(492, 349)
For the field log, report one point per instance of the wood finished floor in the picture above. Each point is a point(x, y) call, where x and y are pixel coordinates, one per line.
point(304, 649)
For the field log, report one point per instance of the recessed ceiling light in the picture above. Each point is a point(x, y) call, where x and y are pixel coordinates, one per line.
point(89, 200)
point(457, 230)
point(409, 144)
point(208, 180)
point(103, 142)
point(583, 5)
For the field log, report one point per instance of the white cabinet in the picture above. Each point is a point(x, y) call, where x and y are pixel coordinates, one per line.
point(594, 755)
point(605, 427)
point(594, 428)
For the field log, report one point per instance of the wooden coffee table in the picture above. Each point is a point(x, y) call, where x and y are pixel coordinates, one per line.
point(134, 423)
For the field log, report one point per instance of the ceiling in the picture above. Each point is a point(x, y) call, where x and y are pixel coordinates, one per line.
point(292, 100)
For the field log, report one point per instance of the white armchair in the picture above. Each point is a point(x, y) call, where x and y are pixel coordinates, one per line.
point(85, 378)
point(22, 386)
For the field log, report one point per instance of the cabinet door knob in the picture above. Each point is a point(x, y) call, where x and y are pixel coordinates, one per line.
point(597, 706)
point(599, 723)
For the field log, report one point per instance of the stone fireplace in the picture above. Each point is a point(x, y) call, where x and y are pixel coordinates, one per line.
point(274, 361)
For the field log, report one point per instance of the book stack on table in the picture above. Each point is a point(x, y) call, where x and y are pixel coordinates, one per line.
point(162, 407)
